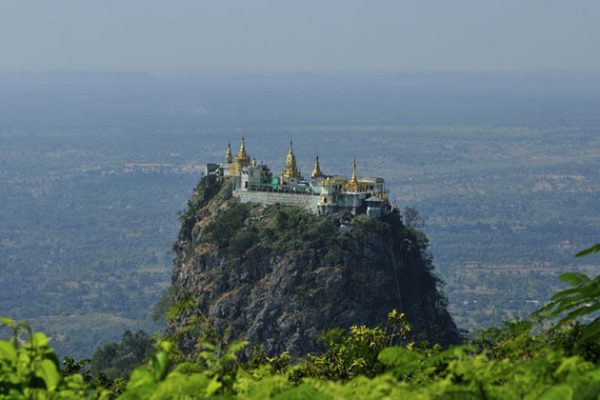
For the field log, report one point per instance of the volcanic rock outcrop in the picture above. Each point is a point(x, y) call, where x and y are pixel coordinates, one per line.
point(279, 276)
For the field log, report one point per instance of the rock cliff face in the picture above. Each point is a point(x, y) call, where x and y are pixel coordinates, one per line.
point(280, 276)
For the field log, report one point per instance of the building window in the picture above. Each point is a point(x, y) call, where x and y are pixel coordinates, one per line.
point(246, 185)
point(325, 200)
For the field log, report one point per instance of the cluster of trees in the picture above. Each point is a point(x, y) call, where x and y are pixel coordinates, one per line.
point(516, 360)
point(281, 229)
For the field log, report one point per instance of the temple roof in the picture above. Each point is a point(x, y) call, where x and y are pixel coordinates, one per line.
point(290, 169)
point(228, 155)
point(242, 154)
point(317, 169)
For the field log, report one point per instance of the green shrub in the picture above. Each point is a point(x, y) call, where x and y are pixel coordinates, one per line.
point(227, 224)
point(242, 241)
point(29, 368)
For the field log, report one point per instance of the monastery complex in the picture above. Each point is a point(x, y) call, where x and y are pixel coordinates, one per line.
point(321, 193)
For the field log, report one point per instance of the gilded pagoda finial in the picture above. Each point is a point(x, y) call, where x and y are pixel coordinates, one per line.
point(352, 185)
point(317, 169)
point(228, 154)
point(242, 155)
point(354, 180)
point(290, 169)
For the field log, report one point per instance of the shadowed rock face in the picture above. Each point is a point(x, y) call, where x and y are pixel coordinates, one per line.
point(280, 276)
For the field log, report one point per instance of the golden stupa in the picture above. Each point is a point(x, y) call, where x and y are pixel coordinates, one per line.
point(291, 169)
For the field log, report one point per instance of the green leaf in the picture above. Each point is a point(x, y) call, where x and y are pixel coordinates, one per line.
point(396, 356)
point(236, 347)
point(594, 249)
point(165, 346)
point(7, 321)
point(592, 330)
point(568, 365)
point(48, 372)
point(581, 300)
point(559, 392)
point(213, 386)
point(38, 340)
point(209, 346)
point(582, 311)
point(141, 377)
point(574, 278)
point(7, 351)
point(302, 392)
point(565, 294)
point(161, 365)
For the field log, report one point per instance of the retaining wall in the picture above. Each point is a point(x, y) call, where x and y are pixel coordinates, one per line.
point(308, 201)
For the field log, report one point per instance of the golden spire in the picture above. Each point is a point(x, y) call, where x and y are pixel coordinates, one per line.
point(317, 170)
point(228, 155)
point(352, 185)
point(242, 156)
point(290, 170)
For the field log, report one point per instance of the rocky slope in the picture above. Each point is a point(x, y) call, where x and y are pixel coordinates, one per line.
point(279, 276)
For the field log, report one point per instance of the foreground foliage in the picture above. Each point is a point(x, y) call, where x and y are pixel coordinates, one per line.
point(29, 368)
point(502, 363)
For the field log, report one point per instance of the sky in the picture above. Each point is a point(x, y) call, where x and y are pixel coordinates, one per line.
point(299, 35)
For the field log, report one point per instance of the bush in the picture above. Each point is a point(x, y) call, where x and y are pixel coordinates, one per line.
point(114, 360)
point(227, 224)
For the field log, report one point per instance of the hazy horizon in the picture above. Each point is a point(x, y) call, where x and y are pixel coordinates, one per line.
point(271, 36)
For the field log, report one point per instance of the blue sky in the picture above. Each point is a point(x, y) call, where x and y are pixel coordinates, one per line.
point(301, 35)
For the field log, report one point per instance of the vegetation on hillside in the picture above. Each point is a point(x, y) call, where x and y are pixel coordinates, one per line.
point(281, 229)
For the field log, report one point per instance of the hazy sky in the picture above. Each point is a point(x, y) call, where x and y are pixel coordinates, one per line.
point(288, 35)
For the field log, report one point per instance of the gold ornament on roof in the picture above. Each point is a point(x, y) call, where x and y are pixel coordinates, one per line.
point(317, 169)
point(228, 155)
point(352, 185)
point(242, 157)
point(291, 169)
